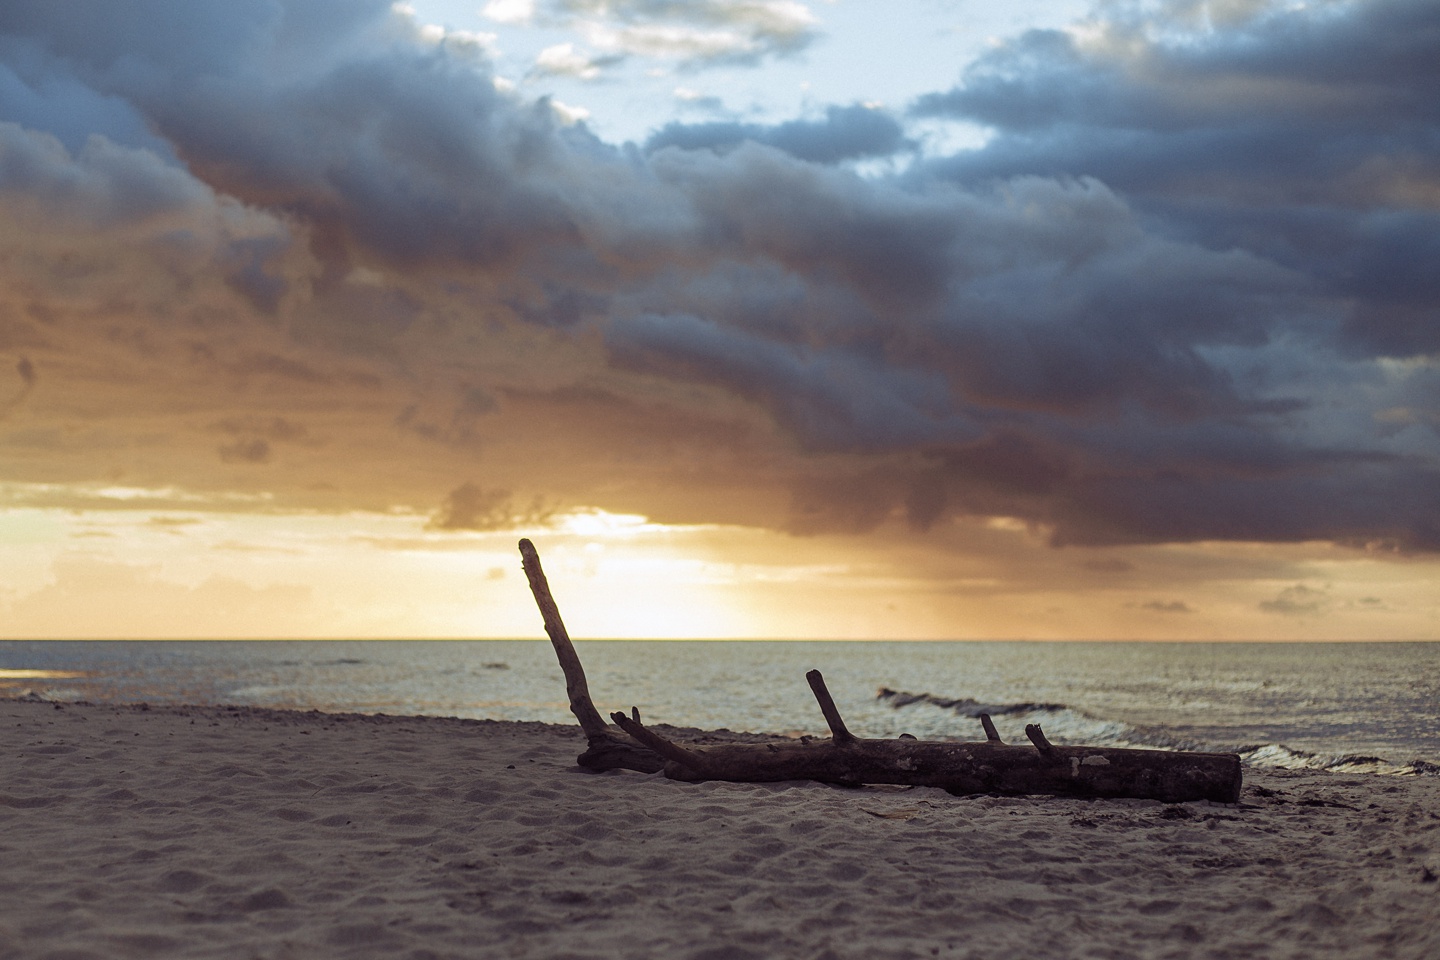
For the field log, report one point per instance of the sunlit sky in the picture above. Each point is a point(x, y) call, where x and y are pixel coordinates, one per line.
point(762, 318)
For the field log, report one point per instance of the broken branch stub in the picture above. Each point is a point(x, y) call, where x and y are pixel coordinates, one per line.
point(839, 734)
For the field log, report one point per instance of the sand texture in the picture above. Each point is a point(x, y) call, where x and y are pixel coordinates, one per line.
point(242, 834)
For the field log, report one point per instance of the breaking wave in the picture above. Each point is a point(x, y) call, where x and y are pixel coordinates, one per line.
point(1066, 725)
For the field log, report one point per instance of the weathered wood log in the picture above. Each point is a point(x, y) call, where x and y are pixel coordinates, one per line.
point(988, 767)
point(991, 767)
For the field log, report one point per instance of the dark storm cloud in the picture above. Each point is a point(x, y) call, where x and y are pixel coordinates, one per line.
point(832, 400)
point(1184, 293)
point(404, 152)
point(846, 133)
point(890, 246)
point(39, 95)
point(1307, 137)
point(370, 151)
point(106, 185)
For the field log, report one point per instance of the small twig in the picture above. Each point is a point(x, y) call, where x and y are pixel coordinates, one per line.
point(666, 749)
point(838, 732)
point(991, 733)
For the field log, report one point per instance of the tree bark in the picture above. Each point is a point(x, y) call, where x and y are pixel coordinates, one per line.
point(987, 767)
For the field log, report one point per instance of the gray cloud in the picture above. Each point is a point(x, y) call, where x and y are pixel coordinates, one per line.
point(1297, 601)
point(832, 400)
point(471, 507)
point(107, 185)
point(1167, 606)
point(253, 440)
point(1302, 137)
point(255, 450)
point(28, 378)
point(846, 133)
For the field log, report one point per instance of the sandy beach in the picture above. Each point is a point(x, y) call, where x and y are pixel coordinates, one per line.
point(245, 833)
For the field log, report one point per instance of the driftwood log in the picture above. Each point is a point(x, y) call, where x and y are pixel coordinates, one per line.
point(987, 767)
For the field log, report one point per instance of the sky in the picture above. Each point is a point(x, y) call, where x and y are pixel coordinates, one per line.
point(763, 318)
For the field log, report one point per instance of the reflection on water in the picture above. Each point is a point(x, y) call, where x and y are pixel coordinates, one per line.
point(12, 681)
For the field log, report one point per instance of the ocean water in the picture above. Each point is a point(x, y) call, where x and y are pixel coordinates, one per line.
point(1360, 707)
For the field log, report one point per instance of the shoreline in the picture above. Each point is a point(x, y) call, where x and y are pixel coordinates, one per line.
point(245, 832)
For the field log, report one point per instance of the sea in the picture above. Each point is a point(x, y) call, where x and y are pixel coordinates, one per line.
point(1365, 708)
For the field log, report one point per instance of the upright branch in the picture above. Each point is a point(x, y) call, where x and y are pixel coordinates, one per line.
point(841, 735)
point(580, 703)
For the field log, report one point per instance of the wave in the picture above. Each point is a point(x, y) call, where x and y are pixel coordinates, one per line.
point(965, 706)
point(1064, 724)
point(1279, 755)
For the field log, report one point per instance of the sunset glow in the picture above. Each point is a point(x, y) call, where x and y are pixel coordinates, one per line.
point(1057, 323)
point(212, 574)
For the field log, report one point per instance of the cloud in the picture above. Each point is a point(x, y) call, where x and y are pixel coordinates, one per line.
point(470, 507)
point(563, 60)
point(694, 100)
point(833, 401)
point(509, 11)
point(689, 35)
point(1167, 606)
point(253, 439)
point(104, 185)
point(1298, 134)
point(252, 450)
point(846, 133)
point(28, 378)
point(1297, 601)
point(1183, 294)
point(108, 195)
point(697, 32)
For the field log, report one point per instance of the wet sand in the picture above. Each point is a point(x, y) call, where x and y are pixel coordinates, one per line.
point(245, 833)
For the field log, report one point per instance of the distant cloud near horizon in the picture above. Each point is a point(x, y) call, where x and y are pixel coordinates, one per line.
point(1297, 601)
point(1186, 291)
point(1167, 606)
